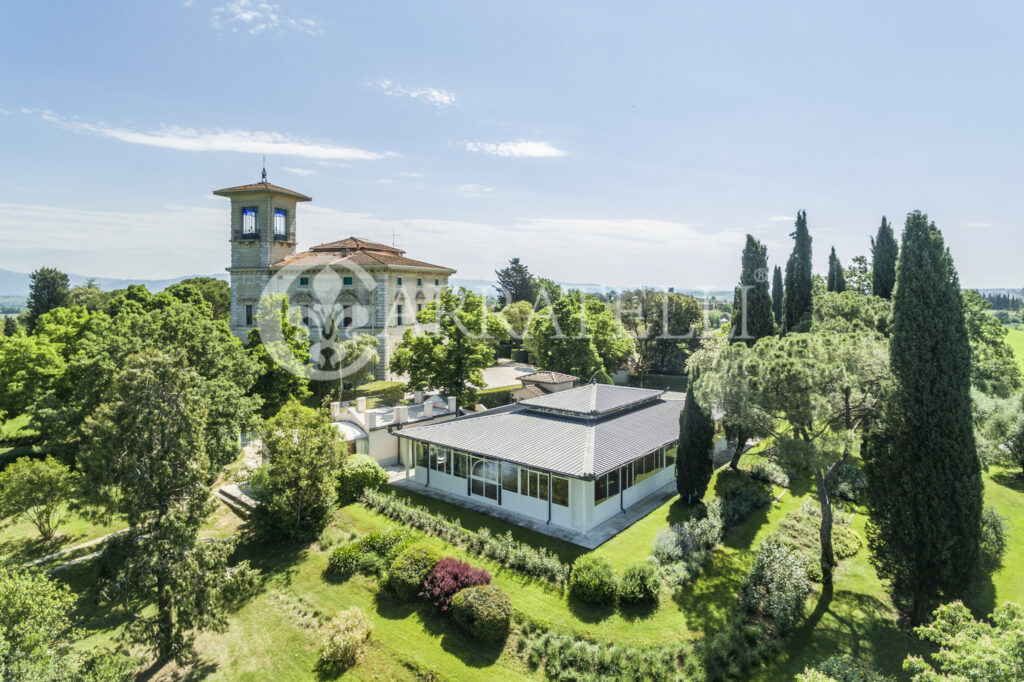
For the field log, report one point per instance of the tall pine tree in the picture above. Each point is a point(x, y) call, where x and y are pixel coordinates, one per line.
point(884, 252)
point(696, 441)
point(753, 309)
point(797, 301)
point(836, 278)
point(777, 296)
point(924, 476)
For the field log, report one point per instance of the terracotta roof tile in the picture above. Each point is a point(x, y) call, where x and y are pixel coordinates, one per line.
point(261, 187)
point(547, 377)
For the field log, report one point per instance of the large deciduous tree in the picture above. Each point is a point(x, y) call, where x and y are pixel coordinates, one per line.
point(172, 322)
point(283, 360)
point(297, 483)
point(994, 369)
point(858, 275)
point(658, 321)
point(813, 393)
point(836, 279)
point(797, 302)
point(38, 489)
point(696, 443)
point(579, 335)
point(924, 476)
point(214, 291)
point(450, 354)
point(515, 283)
point(884, 253)
point(752, 302)
point(29, 367)
point(146, 459)
point(47, 289)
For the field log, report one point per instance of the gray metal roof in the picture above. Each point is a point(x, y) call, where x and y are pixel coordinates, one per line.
point(593, 399)
point(560, 444)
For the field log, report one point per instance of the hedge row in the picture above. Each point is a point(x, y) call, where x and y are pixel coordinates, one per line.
point(506, 550)
point(495, 397)
point(390, 392)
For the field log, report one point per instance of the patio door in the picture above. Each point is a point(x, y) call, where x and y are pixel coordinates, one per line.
point(483, 478)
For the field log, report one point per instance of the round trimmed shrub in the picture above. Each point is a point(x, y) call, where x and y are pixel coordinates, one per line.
point(448, 577)
point(483, 611)
point(410, 569)
point(640, 584)
point(593, 581)
point(357, 473)
point(344, 560)
point(343, 640)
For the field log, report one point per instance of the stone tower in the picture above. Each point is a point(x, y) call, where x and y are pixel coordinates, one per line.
point(262, 234)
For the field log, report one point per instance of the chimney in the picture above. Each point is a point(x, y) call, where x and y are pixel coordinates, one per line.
point(361, 404)
point(335, 412)
point(401, 414)
point(371, 420)
point(428, 410)
point(451, 404)
point(417, 397)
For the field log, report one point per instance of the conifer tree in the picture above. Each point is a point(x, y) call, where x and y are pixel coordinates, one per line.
point(924, 476)
point(752, 310)
point(696, 441)
point(777, 296)
point(883, 261)
point(836, 278)
point(797, 300)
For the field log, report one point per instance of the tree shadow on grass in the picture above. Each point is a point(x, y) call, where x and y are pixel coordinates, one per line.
point(391, 607)
point(199, 669)
point(638, 612)
point(741, 537)
point(17, 551)
point(1013, 480)
point(981, 597)
point(709, 601)
point(276, 561)
point(590, 613)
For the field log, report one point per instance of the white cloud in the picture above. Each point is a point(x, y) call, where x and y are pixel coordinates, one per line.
point(781, 219)
point(385, 181)
point(216, 140)
point(411, 174)
point(256, 16)
point(978, 224)
point(439, 98)
point(298, 171)
point(475, 190)
point(519, 148)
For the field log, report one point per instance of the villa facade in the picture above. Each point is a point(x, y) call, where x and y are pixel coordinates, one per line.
point(370, 288)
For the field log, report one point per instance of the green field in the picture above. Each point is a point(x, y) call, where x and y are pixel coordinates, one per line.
point(1015, 338)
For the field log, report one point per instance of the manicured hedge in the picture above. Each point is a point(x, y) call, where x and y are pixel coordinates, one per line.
point(371, 554)
point(640, 584)
point(495, 397)
point(593, 580)
point(410, 569)
point(357, 473)
point(483, 611)
point(389, 392)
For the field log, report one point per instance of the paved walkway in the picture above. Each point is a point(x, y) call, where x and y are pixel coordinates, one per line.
point(506, 373)
point(593, 538)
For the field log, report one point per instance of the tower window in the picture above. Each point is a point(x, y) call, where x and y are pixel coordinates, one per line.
point(280, 223)
point(303, 281)
point(249, 221)
point(399, 281)
point(399, 315)
point(419, 281)
point(248, 314)
point(346, 281)
point(437, 282)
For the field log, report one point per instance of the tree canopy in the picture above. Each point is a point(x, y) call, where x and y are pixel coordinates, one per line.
point(658, 321)
point(994, 369)
point(515, 283)
point(214, 291)
point(797, 301)
point(283, 361)
point(884, 253)
point(450, 354)
point(777, 296)
point(752, 303)
point(47, 289)
point(836, 278)
point(694, 467)
point(579, 338)
point(922, 455)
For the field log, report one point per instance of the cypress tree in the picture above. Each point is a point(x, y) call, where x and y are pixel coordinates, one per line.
point(836, 278)
point(923, 472)
point(777, 296)
point(883, 261)
point(752, 318)
point(797, 301)
point(696, 441)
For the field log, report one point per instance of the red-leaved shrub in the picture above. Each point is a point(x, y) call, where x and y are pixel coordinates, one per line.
point(448, 576)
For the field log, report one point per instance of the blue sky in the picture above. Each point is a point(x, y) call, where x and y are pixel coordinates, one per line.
point(609, 142)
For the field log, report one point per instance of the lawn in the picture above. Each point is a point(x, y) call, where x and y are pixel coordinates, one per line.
point(1015, 337)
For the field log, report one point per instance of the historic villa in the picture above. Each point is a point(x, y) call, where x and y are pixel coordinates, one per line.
point(573, 458)
point(374, 288)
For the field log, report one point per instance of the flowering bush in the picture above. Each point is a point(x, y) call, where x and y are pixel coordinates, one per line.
point(506, 550)
point(449, 576)
point(483, 611)
point(593, 580)
point(343, 640)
